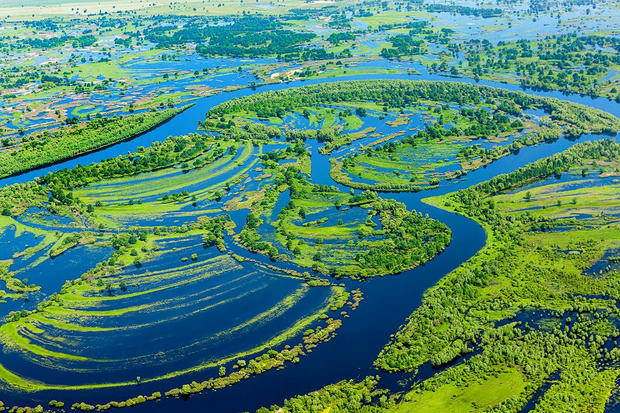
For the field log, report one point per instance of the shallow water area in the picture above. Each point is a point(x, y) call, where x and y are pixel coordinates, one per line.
point(187, 306)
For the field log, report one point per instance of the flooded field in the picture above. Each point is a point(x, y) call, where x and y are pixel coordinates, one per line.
point(389, 207)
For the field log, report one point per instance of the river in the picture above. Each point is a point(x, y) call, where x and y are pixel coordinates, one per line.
point(387, 300)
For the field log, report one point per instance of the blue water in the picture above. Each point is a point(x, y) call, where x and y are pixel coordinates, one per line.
point(387, 300)
point(187, 121)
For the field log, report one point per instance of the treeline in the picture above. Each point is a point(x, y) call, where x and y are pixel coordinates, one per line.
point(398, 94)
point(411, 239)
point(404, 45)
point(337, 37)
point(48, 43)
point(463, 10)
point(16, 198)
point(249, 235)
point(569, 62)
point(254, 43)
point(77, 140)
point(294, 151)
point(342, 397)
point(478, 123)
point(247, 37)
point(456, 300)
point(416, 41)
point(14, 79)
point(174, 150)
point(248, 131)
point(391, 93)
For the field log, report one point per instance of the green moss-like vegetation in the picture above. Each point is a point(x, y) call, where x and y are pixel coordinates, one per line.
point(518, 272)
point(398, 240)
point(570, 63)
point(414, 162)
point(524, 304)
point(72, 141)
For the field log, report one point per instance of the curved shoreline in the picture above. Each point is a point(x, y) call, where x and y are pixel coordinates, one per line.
point(396, 297)
point(179, 125)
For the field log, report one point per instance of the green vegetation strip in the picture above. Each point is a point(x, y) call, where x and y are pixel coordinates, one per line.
point(77, 140)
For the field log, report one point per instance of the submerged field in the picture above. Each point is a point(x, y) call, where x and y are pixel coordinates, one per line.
point(539, 291)
point(244, 230)
point(309, 206)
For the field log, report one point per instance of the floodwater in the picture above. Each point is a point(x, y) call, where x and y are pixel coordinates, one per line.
point(387, 300)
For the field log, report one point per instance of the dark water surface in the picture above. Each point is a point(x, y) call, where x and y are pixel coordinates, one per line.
point(387, 300)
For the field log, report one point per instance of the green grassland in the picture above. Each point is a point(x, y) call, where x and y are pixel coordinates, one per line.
point(516, 271)
point(477, 395)
point(397, 240)
point(525, 313)
point(523, 308)
point(559, 62)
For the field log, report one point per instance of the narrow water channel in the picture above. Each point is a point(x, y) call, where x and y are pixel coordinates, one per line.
point(387, 300)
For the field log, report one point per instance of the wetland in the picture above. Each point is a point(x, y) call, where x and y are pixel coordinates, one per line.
point(214, 212)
